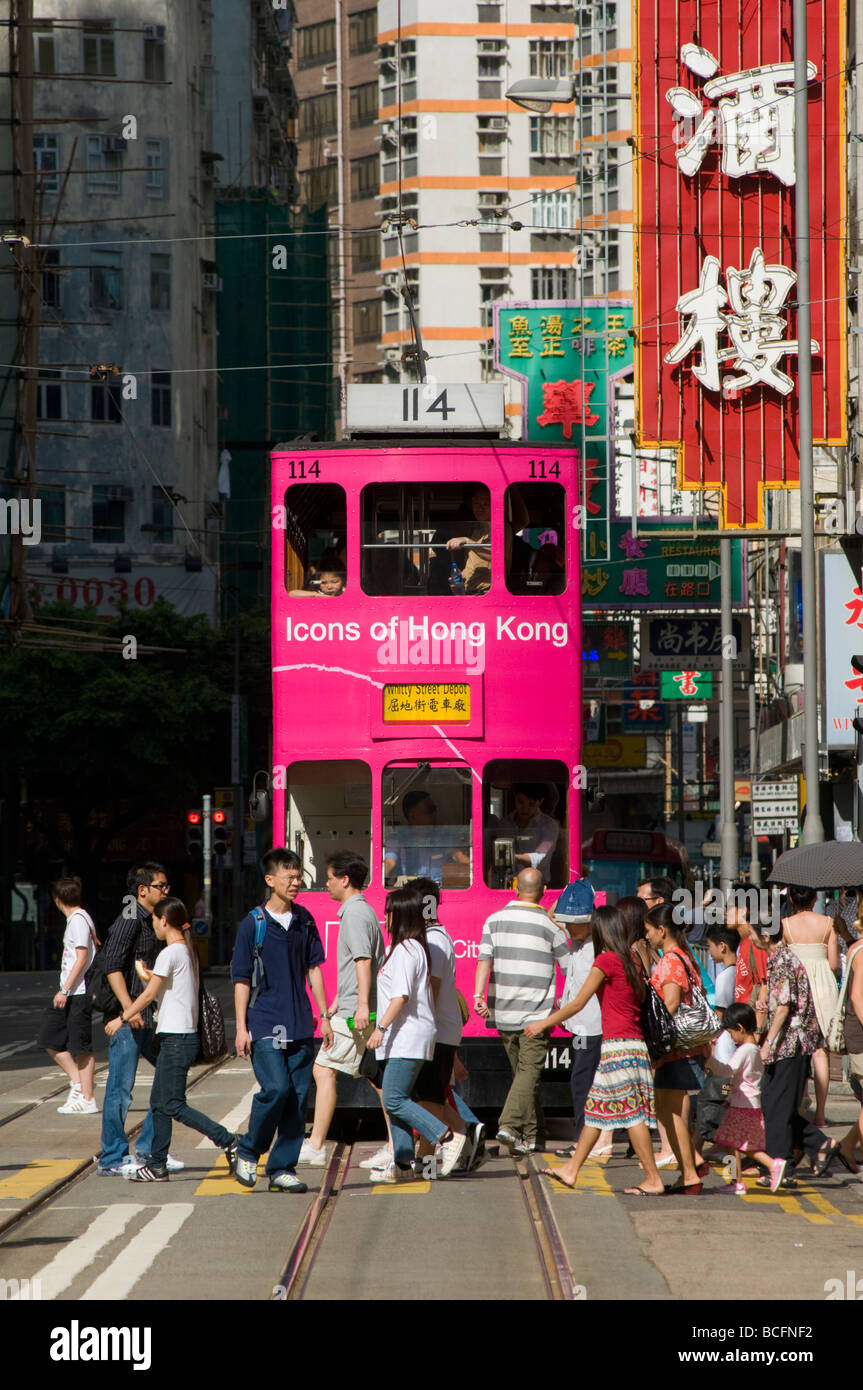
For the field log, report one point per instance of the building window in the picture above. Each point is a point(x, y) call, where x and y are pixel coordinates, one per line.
point(364, 104)
point(49, 395)
point(154, 59)
point(552, 136)
point(552, 282)
point(104, 163)
point(365, 176)
point(318, 185)
point(601, 264)
point(162, 526)
point(405, 530)
point(316, 44)
point(106, 281)
point(44, 50)
point(366, 251)
point(493, 283)
point(106, 402)
point(154, 153)
point(51, 279)
point(53, 514)
point(367, 319)
point(551, 210)
point(550, 57)
point(99, 57)
point(160, 398)
point(363, 31)
point(160, 282)
point(109, 515)
point(46, 160)
point(319, 115)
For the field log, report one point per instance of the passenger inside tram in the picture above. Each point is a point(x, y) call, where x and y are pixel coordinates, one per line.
point(472, 552)
point(523, 820)
point(538, 563)
point(325, 583)
point(423, 849)
point(315, 528)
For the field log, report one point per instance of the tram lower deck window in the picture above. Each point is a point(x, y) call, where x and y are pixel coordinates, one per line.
point(536, 563)
point(328, 810)
point(315, 531)
point(427, 824)
point(524, 803)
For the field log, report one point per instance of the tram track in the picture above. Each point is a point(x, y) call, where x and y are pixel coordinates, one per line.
point(50, 1095)
point(550, 1249)
point(297, 1271)
point(48, 1195)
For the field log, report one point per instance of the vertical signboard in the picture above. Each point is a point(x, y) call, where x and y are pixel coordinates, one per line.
point(842, 633)
point(716, 337)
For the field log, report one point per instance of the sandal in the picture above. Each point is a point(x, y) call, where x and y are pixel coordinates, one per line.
point(550, 1173)
point(640, 1192)
point(692, 1190)
point(703, 1170)
point(848, 1164)
point(825, 1158)
point(670, 1161)
point(564, 1153)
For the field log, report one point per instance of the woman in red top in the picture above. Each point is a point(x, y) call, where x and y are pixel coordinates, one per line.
point(681, 1073)
point(622, 1092)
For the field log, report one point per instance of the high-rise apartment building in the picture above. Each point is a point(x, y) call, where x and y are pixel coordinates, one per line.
point(127, 451)
point(339, 143)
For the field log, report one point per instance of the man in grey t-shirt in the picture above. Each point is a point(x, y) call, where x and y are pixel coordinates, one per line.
point(360, 955)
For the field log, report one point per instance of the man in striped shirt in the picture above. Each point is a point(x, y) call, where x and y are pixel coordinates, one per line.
point(519, 948)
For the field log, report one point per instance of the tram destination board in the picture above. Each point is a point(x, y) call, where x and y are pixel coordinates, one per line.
point(427, 704)
point(425, 408)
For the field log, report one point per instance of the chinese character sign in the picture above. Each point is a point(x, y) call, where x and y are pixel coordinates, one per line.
point(843, 639)
point(717, 336)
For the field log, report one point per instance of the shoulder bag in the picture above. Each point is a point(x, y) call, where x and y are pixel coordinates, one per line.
point(835, 1036)
point(211, 1027)
point(656, 1023)
point(694, 1023)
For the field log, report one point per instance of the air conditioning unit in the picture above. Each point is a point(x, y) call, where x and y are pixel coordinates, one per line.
point(209, 281)
point(493, 46)
point(155, 32)
point(389, 134)
point(388, 65)
point(390, 280)
point(497, 123)
point(113, 144)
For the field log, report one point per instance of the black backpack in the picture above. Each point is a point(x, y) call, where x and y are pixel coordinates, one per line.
point(99, 993)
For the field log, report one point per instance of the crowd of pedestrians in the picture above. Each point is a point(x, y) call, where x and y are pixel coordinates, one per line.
point(706, 1036)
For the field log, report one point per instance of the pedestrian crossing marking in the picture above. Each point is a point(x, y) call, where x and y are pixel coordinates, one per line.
point(219, 1182)
point(591, 1178)
point(34, 1177)
point(56, 1276)
point(139, 1255)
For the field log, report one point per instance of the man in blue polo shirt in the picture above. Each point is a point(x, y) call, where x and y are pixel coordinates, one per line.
point(277, 1029)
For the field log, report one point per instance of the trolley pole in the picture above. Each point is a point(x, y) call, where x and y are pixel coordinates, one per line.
point(813, 829)
point(208, 856)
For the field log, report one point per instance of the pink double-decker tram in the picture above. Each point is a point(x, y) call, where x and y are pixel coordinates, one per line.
point(427, 680)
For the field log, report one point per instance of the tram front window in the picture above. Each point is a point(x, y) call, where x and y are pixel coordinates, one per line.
point(524, 820)
point(537, 560)
point(427, 824)
point(426, 538)
point(329, 809)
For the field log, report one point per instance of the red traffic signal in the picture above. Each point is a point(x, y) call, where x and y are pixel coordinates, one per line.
point(194, 817)
point(219, 818)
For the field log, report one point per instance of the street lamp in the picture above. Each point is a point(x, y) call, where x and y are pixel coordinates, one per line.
point(540, 93)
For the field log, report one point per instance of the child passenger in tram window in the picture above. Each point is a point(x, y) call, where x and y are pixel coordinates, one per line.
point(331, 585)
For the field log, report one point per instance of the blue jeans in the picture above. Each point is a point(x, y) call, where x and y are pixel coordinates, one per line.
point(284, 1074)
point(463, 1109)
point(400, 1074)
point(586, 1052)
point(125, 1050)
point(168, 1097)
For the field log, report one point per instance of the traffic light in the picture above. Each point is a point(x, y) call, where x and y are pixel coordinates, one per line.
point(220, 833)
point(194, 835)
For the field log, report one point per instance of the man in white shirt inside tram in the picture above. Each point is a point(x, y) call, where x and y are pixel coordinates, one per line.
point(535, 833)
point(418, 849)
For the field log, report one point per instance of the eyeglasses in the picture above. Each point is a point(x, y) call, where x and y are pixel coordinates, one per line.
point(163, 887)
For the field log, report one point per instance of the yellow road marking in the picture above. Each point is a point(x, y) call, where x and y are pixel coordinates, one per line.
point(33, 1177)
point(407, 1189)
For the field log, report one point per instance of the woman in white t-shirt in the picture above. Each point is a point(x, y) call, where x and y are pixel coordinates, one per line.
point(404, 1035)
point(174, 977)
point(66, 1032)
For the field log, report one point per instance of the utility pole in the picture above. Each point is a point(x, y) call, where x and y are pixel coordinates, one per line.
point(239, 807)
point(813, 829)
point(729, 861)
point(208, 857)
point(754, 861)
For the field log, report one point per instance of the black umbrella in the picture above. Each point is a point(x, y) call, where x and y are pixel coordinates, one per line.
point(832, 864)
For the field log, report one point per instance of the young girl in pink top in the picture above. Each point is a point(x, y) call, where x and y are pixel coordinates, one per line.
point(741, 1128)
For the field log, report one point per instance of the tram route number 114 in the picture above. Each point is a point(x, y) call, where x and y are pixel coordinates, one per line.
point(411, 404)
point(558, 1058)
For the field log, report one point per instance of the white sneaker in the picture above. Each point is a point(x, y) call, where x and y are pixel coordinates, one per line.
point(312, 1157)
point(128, 1167)
point(451, 1152)
point(77, 1105)
point(174, 1165)
point(382, 1159)
point(392, 1175)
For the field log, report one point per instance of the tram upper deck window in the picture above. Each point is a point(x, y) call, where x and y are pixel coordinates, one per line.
point(329, 809)
point(426, 538)
point(427, 824)
point(524, 803)
point(537, 563)
point(315, 531)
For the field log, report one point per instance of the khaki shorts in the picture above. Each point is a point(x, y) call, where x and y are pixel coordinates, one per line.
point(347, 1049)
point(855, 1060)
